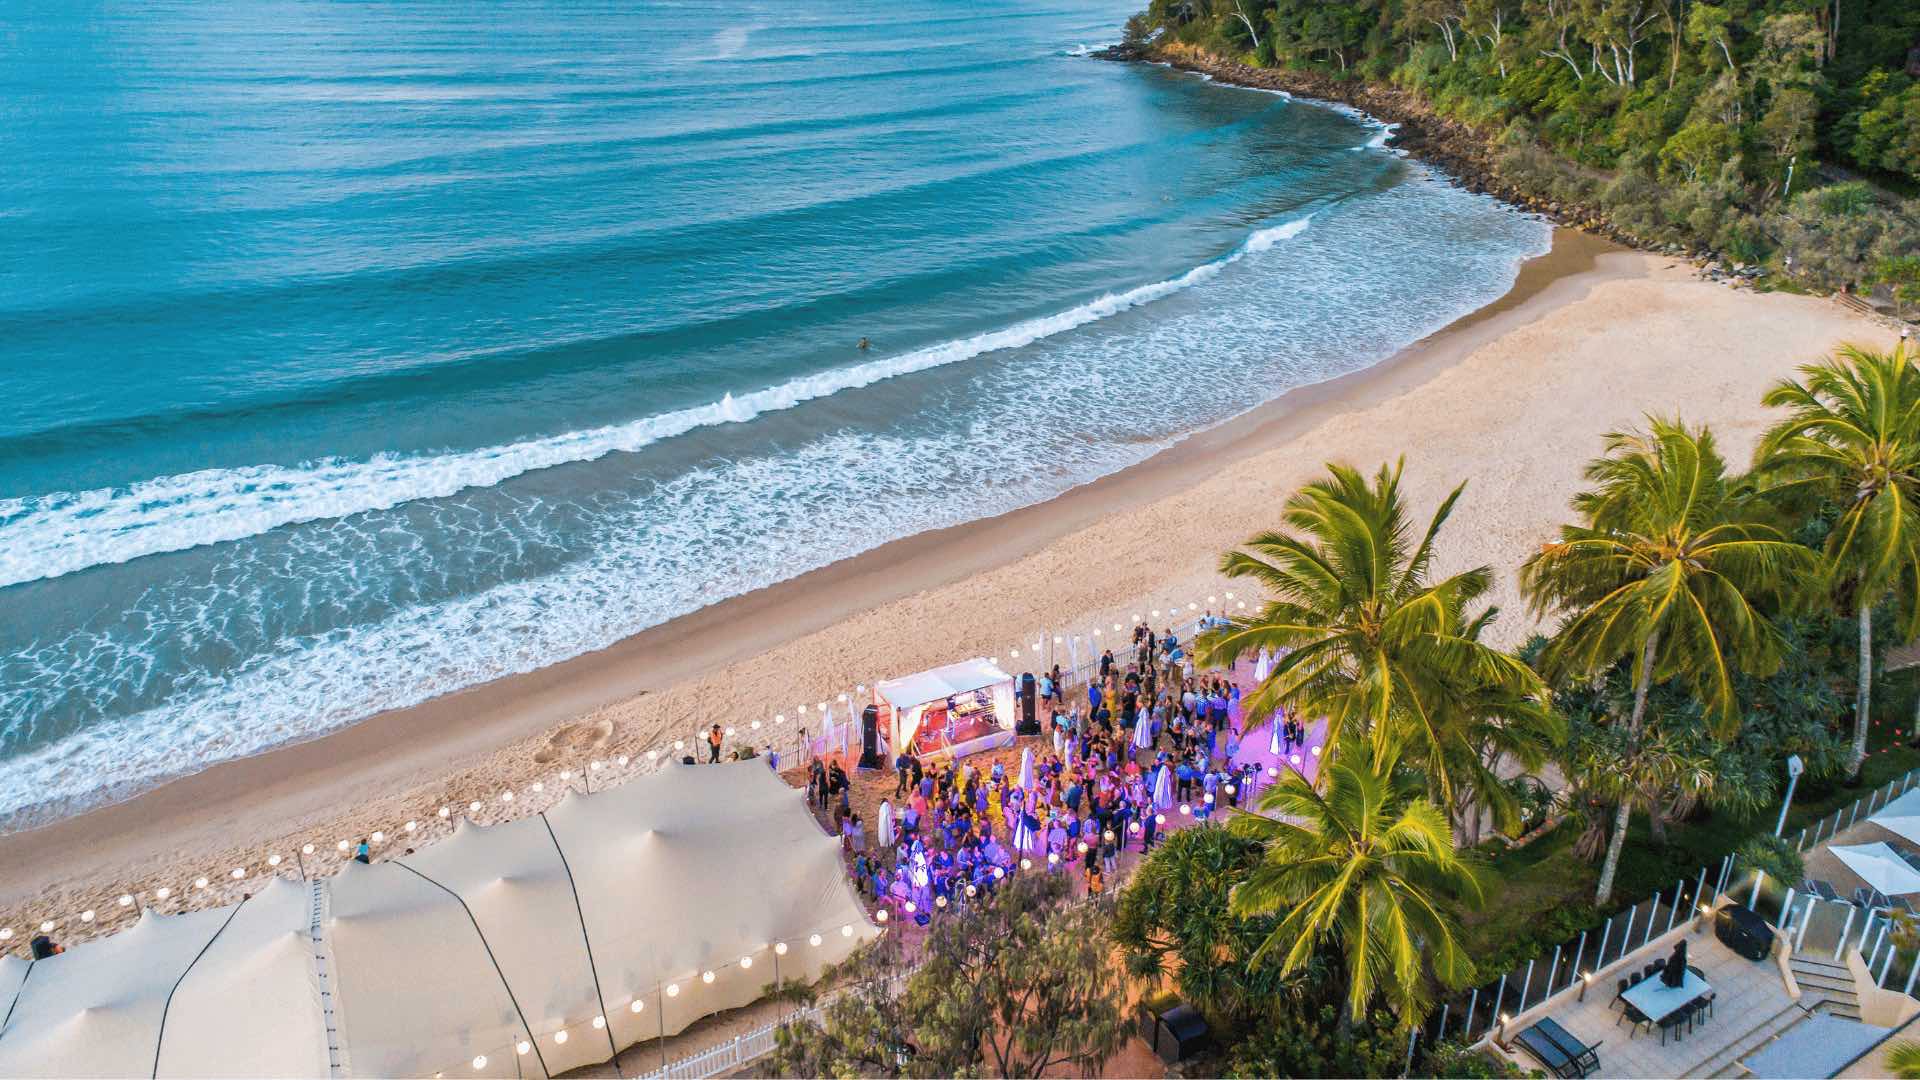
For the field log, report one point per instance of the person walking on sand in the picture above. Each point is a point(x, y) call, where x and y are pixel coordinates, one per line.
point(714, 739)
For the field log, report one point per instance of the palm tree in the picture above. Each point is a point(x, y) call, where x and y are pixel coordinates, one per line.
point(1665, 569)
point(1364, 867)
point(1480, 729)
point(1364, 637)
point(1903, 1059)
point(1852, 437)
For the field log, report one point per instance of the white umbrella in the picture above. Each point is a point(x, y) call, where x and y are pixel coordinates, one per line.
point(1273, 733)
point(1143, 731)
point(1026, 768)
point(1263, 666)
point(1881, 867)
point(1023, 838)
point(1163, 787)
point(886, 825)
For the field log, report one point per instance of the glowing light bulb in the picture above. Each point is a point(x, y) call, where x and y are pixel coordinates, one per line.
point(473, 807)
point(847, 930)
point(1026, 864)
point(342, 845)
point(653, 755)
point(746, 962)
point(637, 1005)
point(1159, 819)
point(163, 892)
point(522, 1046)
point(973, 890)
point(506, 796)
point(379, 837)
point(199, 883)
point(1209, 798)
point(999, 872)
point(779, 948)
point(559, 1036)
point(814, 940)
point(306, 849)
point(412, 825)
point(480, 1061)
point(673, 989)
point(446, 811)
point(706, 976)
point(87, 915)
point(911, 907)
point(755, 725)
point(1185, 808)
point(1134, 828)
point(1081, 847)
point(47, 927)
point(273, 860)
point(126, 899)
point(599, 1022)
point(6, 932)
point(239, 872)
point(939, 901)
point(1053, 859)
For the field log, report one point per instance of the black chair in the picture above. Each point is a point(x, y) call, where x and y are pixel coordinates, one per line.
point(1672, 1022)
point(1620, 992)
point(1635, 978)
point(1639, 1018)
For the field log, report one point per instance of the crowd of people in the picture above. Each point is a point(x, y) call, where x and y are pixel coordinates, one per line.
point(1151, 741)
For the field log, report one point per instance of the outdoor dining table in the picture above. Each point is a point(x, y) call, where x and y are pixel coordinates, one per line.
point(1656, 1000)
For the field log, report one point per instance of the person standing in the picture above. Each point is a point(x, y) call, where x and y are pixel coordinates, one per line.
point(714, 739)
point(902, 766)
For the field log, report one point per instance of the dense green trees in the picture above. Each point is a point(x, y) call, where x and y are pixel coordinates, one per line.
point(1682, 119)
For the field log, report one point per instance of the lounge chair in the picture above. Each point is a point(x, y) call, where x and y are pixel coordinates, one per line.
point(1556, 1048)
point(1820, 889)
point(1870, 898)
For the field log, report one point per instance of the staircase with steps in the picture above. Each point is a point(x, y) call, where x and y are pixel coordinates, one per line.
point(1825, 987)
point(1828, 980)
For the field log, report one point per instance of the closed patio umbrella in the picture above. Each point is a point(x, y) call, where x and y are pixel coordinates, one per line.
point(886, 825)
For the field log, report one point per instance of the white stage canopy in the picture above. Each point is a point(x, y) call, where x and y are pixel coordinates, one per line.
point(956, 709)
point(1881, 867)
point(682, 894)
point(941, 683)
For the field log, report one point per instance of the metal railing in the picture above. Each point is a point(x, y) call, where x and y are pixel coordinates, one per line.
point(1856, 811)
point(1473, 1014)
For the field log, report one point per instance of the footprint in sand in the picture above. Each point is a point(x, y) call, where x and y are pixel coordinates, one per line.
point(574, 739)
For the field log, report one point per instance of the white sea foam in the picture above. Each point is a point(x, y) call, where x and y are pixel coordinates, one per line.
point(46, 536)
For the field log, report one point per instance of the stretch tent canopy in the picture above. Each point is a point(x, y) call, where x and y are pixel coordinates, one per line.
point(449, 959)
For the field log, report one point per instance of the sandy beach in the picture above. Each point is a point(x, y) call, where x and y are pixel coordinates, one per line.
point(1512, 399)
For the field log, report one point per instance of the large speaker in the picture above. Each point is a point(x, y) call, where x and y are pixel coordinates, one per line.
point(1028, 724)
point(870, 738)
point(1744, 931)
point(1175, 1035)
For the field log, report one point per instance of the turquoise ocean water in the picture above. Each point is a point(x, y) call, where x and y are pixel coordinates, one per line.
point(354, 353)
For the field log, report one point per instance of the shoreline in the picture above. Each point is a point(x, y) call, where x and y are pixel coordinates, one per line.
point(377, 752)
point(1148, 534)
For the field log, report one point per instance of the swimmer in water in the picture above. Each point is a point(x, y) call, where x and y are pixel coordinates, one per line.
point(865, 344)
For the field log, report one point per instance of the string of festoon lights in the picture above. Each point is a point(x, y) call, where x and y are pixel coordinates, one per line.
point(307, 858)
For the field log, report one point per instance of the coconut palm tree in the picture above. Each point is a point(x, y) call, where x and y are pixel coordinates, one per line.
point(1851, 438)
point(1664, 569)
point(1365, 867)
point(1482, 728)
point(1365, 637)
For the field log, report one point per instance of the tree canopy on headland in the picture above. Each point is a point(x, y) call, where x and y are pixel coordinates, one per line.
point(1682, 120)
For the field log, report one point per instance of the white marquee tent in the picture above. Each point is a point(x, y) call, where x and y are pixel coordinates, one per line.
point(682, 893)
point(910, 701)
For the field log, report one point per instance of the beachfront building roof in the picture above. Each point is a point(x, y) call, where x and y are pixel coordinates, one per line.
point(940, 683)
point(520, 949)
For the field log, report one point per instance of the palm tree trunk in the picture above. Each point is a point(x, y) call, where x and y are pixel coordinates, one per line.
point(1863, 697)
point(1614, 847)
point(1642, 682)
